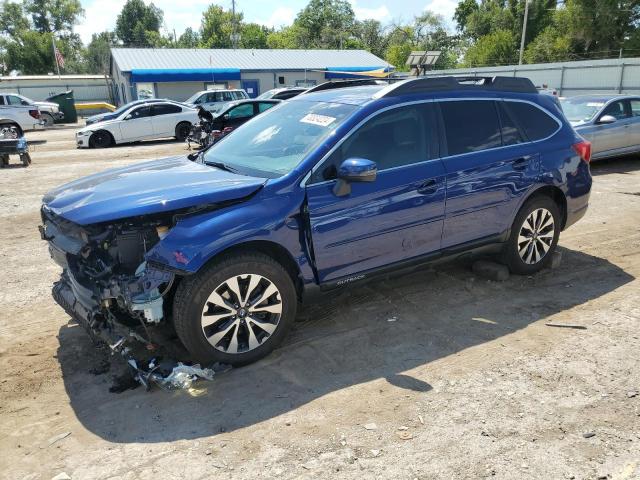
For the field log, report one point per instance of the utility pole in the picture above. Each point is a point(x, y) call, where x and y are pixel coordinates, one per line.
point(234, 35)
point(524, 29)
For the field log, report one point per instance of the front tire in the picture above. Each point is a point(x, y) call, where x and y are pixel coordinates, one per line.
point(100, 139)
point(236, 310)
point(534, 236)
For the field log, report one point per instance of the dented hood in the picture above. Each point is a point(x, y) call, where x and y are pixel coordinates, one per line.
point(145, 188)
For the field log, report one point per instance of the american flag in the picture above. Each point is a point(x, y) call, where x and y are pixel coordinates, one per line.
point(59, 57)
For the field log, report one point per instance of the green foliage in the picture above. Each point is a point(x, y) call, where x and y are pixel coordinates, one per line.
point(217, 27)
point(253, 35)
point(189, 39)
point(286, 37)
point(325, 24)
point(549, 46)
point(496, 48)
point(27, 30)
point(138, 25)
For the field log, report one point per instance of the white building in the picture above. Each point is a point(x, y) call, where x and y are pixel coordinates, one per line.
point(178, 73)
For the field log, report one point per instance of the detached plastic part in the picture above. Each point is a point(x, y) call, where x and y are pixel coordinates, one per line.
point(152, 309)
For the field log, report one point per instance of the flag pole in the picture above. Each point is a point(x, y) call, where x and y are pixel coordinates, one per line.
point(55, 57)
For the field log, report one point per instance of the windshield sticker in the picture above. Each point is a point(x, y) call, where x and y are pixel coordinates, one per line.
point(595, 104)
point(315, 119)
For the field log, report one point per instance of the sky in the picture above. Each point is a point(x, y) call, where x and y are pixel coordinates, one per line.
point(101, 15)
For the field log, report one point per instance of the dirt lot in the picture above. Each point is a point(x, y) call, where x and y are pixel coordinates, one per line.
point(435, 375)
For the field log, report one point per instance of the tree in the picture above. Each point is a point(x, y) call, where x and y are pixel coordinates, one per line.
point(138, 25)
point(189, 39)
point(549, 46)
point(325, 24)
point(99, 52)
point(286, 37)
point(372, 37)
point(27, 31)
point(497, 48)
point(253, 35)
point(218, 26)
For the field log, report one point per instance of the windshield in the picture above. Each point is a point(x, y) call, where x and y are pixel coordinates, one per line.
point(268, 94)
point(193, 98)
point(275, 142)
point(580, 109)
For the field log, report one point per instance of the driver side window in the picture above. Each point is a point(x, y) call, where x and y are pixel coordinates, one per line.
point(140, 112)
point(616, 110)
point(395, 138)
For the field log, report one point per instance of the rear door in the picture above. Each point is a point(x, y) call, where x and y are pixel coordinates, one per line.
point(634, 123)
point(489, 167)
point(163, 117)
point(137, 124)
point(398, 216)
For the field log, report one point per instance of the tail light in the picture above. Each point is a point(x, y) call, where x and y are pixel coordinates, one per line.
point(584, 150)
point(35, 114)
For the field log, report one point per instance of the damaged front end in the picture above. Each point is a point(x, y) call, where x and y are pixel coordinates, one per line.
point(105, 277)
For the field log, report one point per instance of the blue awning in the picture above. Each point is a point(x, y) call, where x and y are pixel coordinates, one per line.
point(341, 72)
point(185, 75)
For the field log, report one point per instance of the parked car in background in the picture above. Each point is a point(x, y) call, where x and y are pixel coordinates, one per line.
point(610, 122)
point(117, 112)
point(282, 93)
point(239, 112)
point(49, 111)
point(146, 121)
point(210, 99)
point(319, 193)
point(23, 117)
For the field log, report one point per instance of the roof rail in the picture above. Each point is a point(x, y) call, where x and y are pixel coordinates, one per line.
point(443, 83)
point(345, 83)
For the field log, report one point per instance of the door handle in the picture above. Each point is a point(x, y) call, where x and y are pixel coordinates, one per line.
point(521, 163)
point(428, 187)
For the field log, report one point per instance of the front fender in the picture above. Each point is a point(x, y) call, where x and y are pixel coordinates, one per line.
point(270, 218)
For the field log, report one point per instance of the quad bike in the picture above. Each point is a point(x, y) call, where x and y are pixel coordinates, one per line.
point(12, 142)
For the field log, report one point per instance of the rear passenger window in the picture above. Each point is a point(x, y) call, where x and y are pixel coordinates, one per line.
point(510, 131)
point(535, 123)
point(470, 125)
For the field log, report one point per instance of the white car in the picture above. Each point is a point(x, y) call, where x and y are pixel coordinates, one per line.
point(148, 121)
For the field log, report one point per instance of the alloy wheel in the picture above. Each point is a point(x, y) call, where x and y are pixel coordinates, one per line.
point(536, 236)
point(241, 313)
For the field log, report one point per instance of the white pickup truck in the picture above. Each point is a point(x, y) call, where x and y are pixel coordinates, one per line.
point(49, 111)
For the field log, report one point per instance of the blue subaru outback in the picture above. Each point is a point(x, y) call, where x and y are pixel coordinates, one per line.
point(325, 190)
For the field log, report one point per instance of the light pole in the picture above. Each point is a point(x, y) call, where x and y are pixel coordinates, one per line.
point(524, 29)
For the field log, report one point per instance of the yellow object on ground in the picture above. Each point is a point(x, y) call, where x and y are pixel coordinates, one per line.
point(94, 106)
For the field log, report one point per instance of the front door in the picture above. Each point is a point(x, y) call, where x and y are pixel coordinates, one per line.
point(252, 87)
point(396, 217)
point(137, 124)
point(611, 137)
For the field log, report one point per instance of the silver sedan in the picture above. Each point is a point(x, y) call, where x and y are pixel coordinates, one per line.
point(610, 122)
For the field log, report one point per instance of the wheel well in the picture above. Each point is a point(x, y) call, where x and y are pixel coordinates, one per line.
point(273, 250)
point(13, 124)
point(557, 196)
point(105, 131)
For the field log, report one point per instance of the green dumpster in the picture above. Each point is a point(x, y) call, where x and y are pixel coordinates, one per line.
point(67, 106)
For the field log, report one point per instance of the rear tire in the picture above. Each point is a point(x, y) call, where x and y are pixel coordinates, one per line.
point(534, 236)
point(26, 159)
point(182, 131)
point(236, 310)
point(48, 120)
point(100, 139)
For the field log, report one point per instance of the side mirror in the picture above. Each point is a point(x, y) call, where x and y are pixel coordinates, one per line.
point(128, 117)
point(354, 170)
point(607, 119)
point(226, 116)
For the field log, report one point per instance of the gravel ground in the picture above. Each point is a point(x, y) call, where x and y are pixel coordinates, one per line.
point(435, 375)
